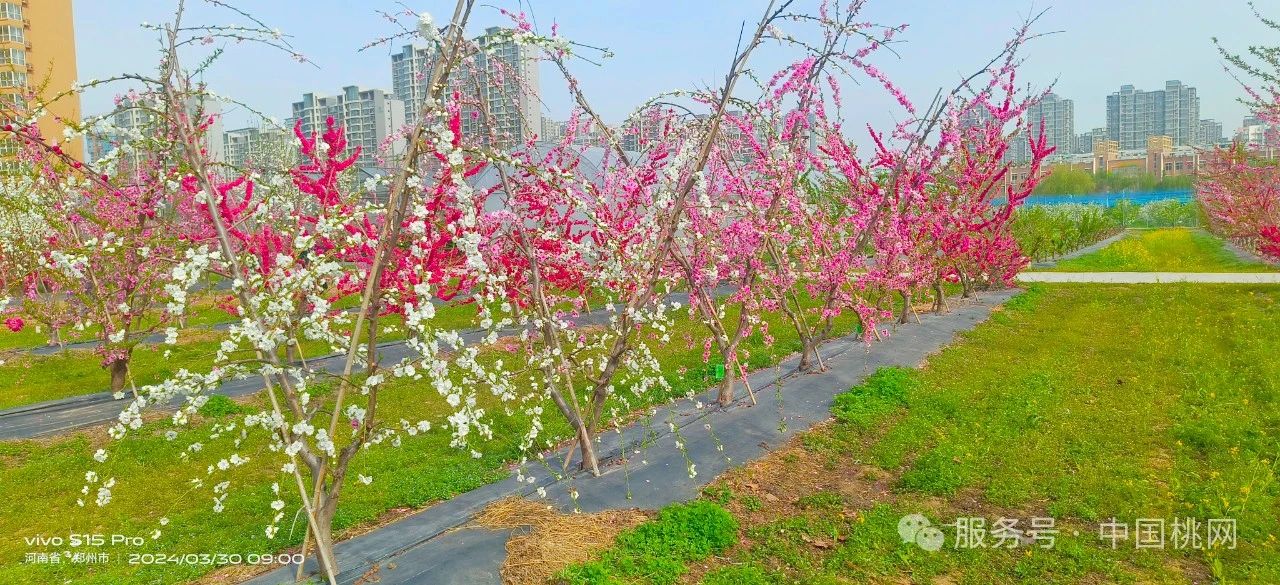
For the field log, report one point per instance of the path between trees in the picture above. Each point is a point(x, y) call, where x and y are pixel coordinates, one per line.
point(440, 546)
point(1153, 277)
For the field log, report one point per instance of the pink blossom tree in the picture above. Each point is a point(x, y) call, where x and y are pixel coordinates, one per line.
point(1238, 191)
point(763, 222)
point(971, 204)
point(559, 234)
point(106, 246)
point(290, 249)
point(1240, 194)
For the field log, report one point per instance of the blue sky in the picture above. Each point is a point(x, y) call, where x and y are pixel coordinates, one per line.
point(667, 44)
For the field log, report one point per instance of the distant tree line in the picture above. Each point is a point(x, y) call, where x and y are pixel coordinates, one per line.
point(1044, 232)
point(1068, 180)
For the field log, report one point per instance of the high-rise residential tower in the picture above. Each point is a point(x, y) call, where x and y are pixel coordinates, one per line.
point(370, 117)
point(37, 49)
point(504, 74)
point(256, 145)
point(409, 77)
point(510, 87)
point(1059, 119)
point(137, 118)
point(1181, 114)
point(1059, 127)
point(1210, 132)
point(1133, 115)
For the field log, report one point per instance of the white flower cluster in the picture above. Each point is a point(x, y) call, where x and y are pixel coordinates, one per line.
point(427, 28)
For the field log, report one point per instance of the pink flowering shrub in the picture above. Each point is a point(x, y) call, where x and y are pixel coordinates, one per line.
point(1240, 195)
point(1240, 190)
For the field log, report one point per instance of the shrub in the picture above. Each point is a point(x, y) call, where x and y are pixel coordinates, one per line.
point(1045, 232)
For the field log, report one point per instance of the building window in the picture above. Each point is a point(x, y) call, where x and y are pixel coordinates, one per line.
point(10, 11)
point(13, 79)
point(11, 34)
point(13, 57)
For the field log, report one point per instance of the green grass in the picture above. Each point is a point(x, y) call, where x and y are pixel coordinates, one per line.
point(1163, 250)
point(659, 550)
point(1076, 402)
point(34, 334)
point(41, 480)
point(27, 379)
point(203, 313)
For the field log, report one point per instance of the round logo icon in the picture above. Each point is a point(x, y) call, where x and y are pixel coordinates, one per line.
point(930, 538)
point(910, 525)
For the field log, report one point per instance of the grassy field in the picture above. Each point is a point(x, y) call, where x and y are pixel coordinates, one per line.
point(1077, 403)
point(1163, 250)
point(27, 379)
point(204, 312)
point(41, 480)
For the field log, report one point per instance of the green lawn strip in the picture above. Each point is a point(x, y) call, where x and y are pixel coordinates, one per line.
point(40, 480)
point(657, 551)
point(822, 547)
point(1163, 250)
point(33, 334)
point(27, 379)
point(1077, 402)
point(203, 313)
point(31, 379)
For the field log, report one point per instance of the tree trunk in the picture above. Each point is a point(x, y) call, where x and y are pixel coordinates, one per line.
point(589, 460)
point(906, 308)
point(119, 373)
point(55, 337)
point(726, 385)
point(939, 300)
point(808, 355)
point(322, 532)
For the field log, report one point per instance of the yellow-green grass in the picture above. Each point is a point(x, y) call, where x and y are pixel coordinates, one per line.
point(1080, 403)
point(1163, 250)
point(40, 480)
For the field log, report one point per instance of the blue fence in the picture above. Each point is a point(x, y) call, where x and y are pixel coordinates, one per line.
point(1110, 199)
